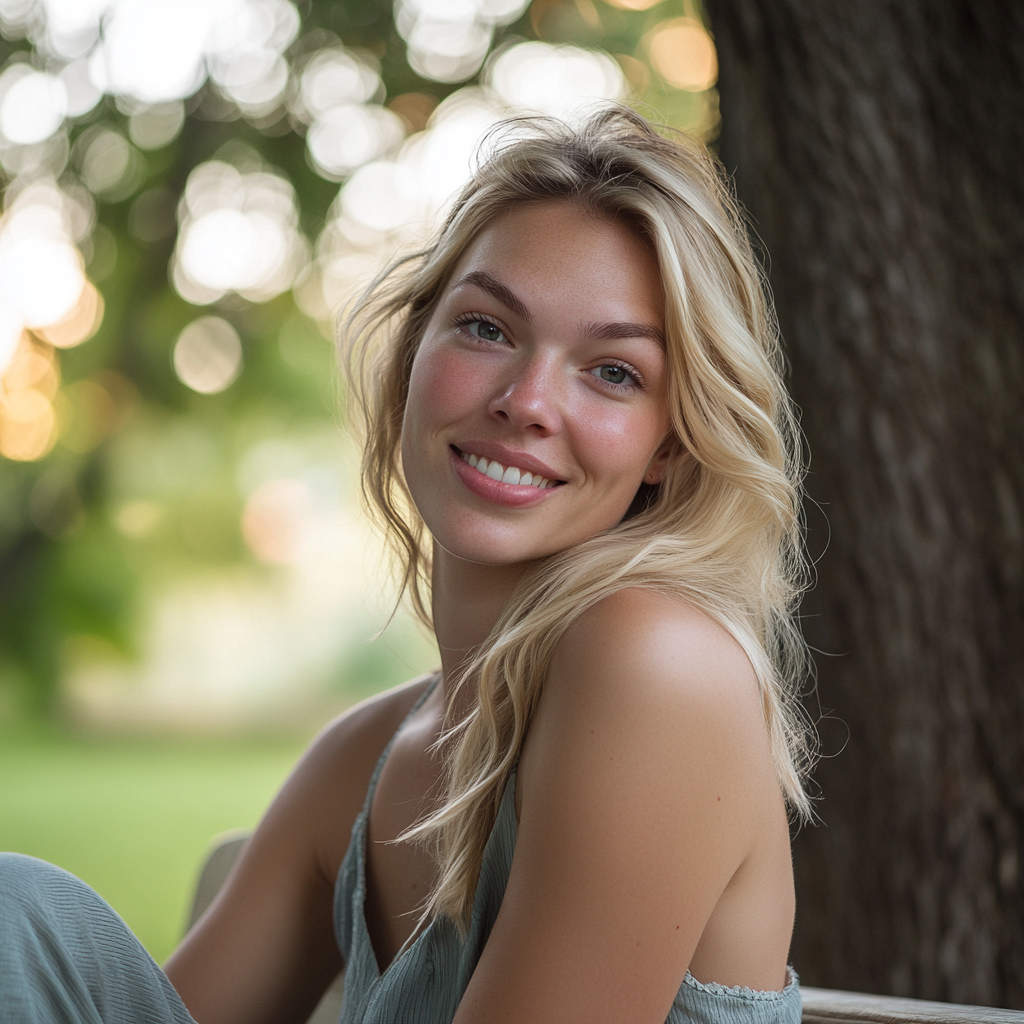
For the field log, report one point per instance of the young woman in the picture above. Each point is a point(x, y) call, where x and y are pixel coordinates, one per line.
point(579, 444)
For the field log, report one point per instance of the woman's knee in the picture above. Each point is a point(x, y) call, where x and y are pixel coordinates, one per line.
point(33, 883)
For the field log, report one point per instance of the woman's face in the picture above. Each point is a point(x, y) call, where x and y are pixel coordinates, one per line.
point(537, 398)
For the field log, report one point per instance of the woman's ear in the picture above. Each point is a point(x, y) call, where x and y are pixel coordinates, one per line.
point(668, 450)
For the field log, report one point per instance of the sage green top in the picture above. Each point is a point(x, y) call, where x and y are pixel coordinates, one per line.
point(425, 983)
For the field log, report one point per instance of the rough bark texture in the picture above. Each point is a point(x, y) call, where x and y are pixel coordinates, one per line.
point(878, 147)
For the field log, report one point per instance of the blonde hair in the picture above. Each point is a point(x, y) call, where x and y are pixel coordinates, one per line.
point(721, 531)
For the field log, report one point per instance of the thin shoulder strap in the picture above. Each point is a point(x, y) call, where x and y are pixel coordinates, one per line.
point(391, 742)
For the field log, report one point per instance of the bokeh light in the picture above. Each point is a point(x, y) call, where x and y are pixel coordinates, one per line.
point(634, 5)
point(274, 518)
point(109, 165)
point(334, 97)
point(238, 233)
point(350, 136)
point(555, 80)
point(153, 127)
point(42, 283)
point(335, 77)
point(448, 39)
point(28, 385)
point(82, 92)
point(80, 324)
point(160, 52)
point(150, 51)
point(32, 105)
point(683, 53)
point(208, 355)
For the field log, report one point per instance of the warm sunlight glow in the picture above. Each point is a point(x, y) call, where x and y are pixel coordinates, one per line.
point(41, 278)
point(27, 386)
point(80, 324)
point(683, 54)
point(274, 518)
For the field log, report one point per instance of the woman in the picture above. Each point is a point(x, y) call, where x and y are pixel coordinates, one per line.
point(579, 444)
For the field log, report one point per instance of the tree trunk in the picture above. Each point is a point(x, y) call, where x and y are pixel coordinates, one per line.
point(878, 146)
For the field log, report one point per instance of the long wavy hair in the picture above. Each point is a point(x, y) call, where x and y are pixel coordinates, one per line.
point(721, 531)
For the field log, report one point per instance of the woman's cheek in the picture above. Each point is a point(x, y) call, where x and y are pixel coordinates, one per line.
point(615, 444)
point(446, 384)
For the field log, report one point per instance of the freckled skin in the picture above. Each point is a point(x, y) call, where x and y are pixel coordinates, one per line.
point(537, 390)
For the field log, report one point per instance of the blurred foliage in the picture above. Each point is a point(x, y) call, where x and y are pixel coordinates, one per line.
point(141, 484)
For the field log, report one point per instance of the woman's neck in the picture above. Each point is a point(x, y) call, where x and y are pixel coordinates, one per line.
point(467, 599)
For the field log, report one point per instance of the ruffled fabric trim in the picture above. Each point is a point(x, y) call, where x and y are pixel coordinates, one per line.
point(741, 991)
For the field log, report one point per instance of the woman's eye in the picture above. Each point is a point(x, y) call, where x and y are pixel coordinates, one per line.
point(615, 374)
point(484, 330)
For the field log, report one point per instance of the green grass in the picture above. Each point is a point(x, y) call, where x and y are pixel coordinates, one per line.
point(133, 817)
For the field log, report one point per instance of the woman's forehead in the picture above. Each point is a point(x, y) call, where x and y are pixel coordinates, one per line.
point(540, 247)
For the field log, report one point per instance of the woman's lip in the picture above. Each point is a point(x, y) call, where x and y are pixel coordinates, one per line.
point(511, 495)
point(507, 457)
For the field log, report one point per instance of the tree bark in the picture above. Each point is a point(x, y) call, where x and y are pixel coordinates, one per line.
point(878, 148)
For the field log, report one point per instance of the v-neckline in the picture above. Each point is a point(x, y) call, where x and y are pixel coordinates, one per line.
point(364, 838)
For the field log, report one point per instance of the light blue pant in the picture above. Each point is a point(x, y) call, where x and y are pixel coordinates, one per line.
point(67, 958)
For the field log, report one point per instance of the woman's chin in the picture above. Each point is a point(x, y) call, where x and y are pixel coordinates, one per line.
point(502, 555)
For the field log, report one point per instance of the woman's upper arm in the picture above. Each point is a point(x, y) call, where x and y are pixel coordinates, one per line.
point(635, 815)
point(265, 950)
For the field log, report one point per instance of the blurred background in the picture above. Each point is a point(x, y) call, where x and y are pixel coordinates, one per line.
point(192, 190)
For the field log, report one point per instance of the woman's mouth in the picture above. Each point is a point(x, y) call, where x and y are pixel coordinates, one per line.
point(506, 474)
point(508, 485)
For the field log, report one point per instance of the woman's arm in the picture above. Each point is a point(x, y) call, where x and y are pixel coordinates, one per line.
point(265, 951)
point(647, 791)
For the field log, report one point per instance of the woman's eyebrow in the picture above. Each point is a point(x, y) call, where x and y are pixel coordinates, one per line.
point(504, 295)
point(612, 331)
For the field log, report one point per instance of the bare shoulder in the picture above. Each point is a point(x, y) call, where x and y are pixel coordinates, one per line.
point(331, 779)
point(654, 653)
point(358, 732)
point(647, 680)
point(657, 631)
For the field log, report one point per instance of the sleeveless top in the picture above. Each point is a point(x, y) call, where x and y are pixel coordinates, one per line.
point(425, 982)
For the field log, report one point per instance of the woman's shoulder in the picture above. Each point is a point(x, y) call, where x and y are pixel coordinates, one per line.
point(648, 680)
point(328, 786)
point(359, 734)
point(646, 645)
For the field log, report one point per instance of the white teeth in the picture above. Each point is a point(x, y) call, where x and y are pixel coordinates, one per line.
point(511, 475)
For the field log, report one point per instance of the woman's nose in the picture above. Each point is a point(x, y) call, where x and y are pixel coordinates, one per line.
point(530, 398)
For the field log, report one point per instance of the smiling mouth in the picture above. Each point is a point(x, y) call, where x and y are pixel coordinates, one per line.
point(506, 474)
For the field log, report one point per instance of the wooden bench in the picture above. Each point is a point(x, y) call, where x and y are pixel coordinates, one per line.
point(821, 1005)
